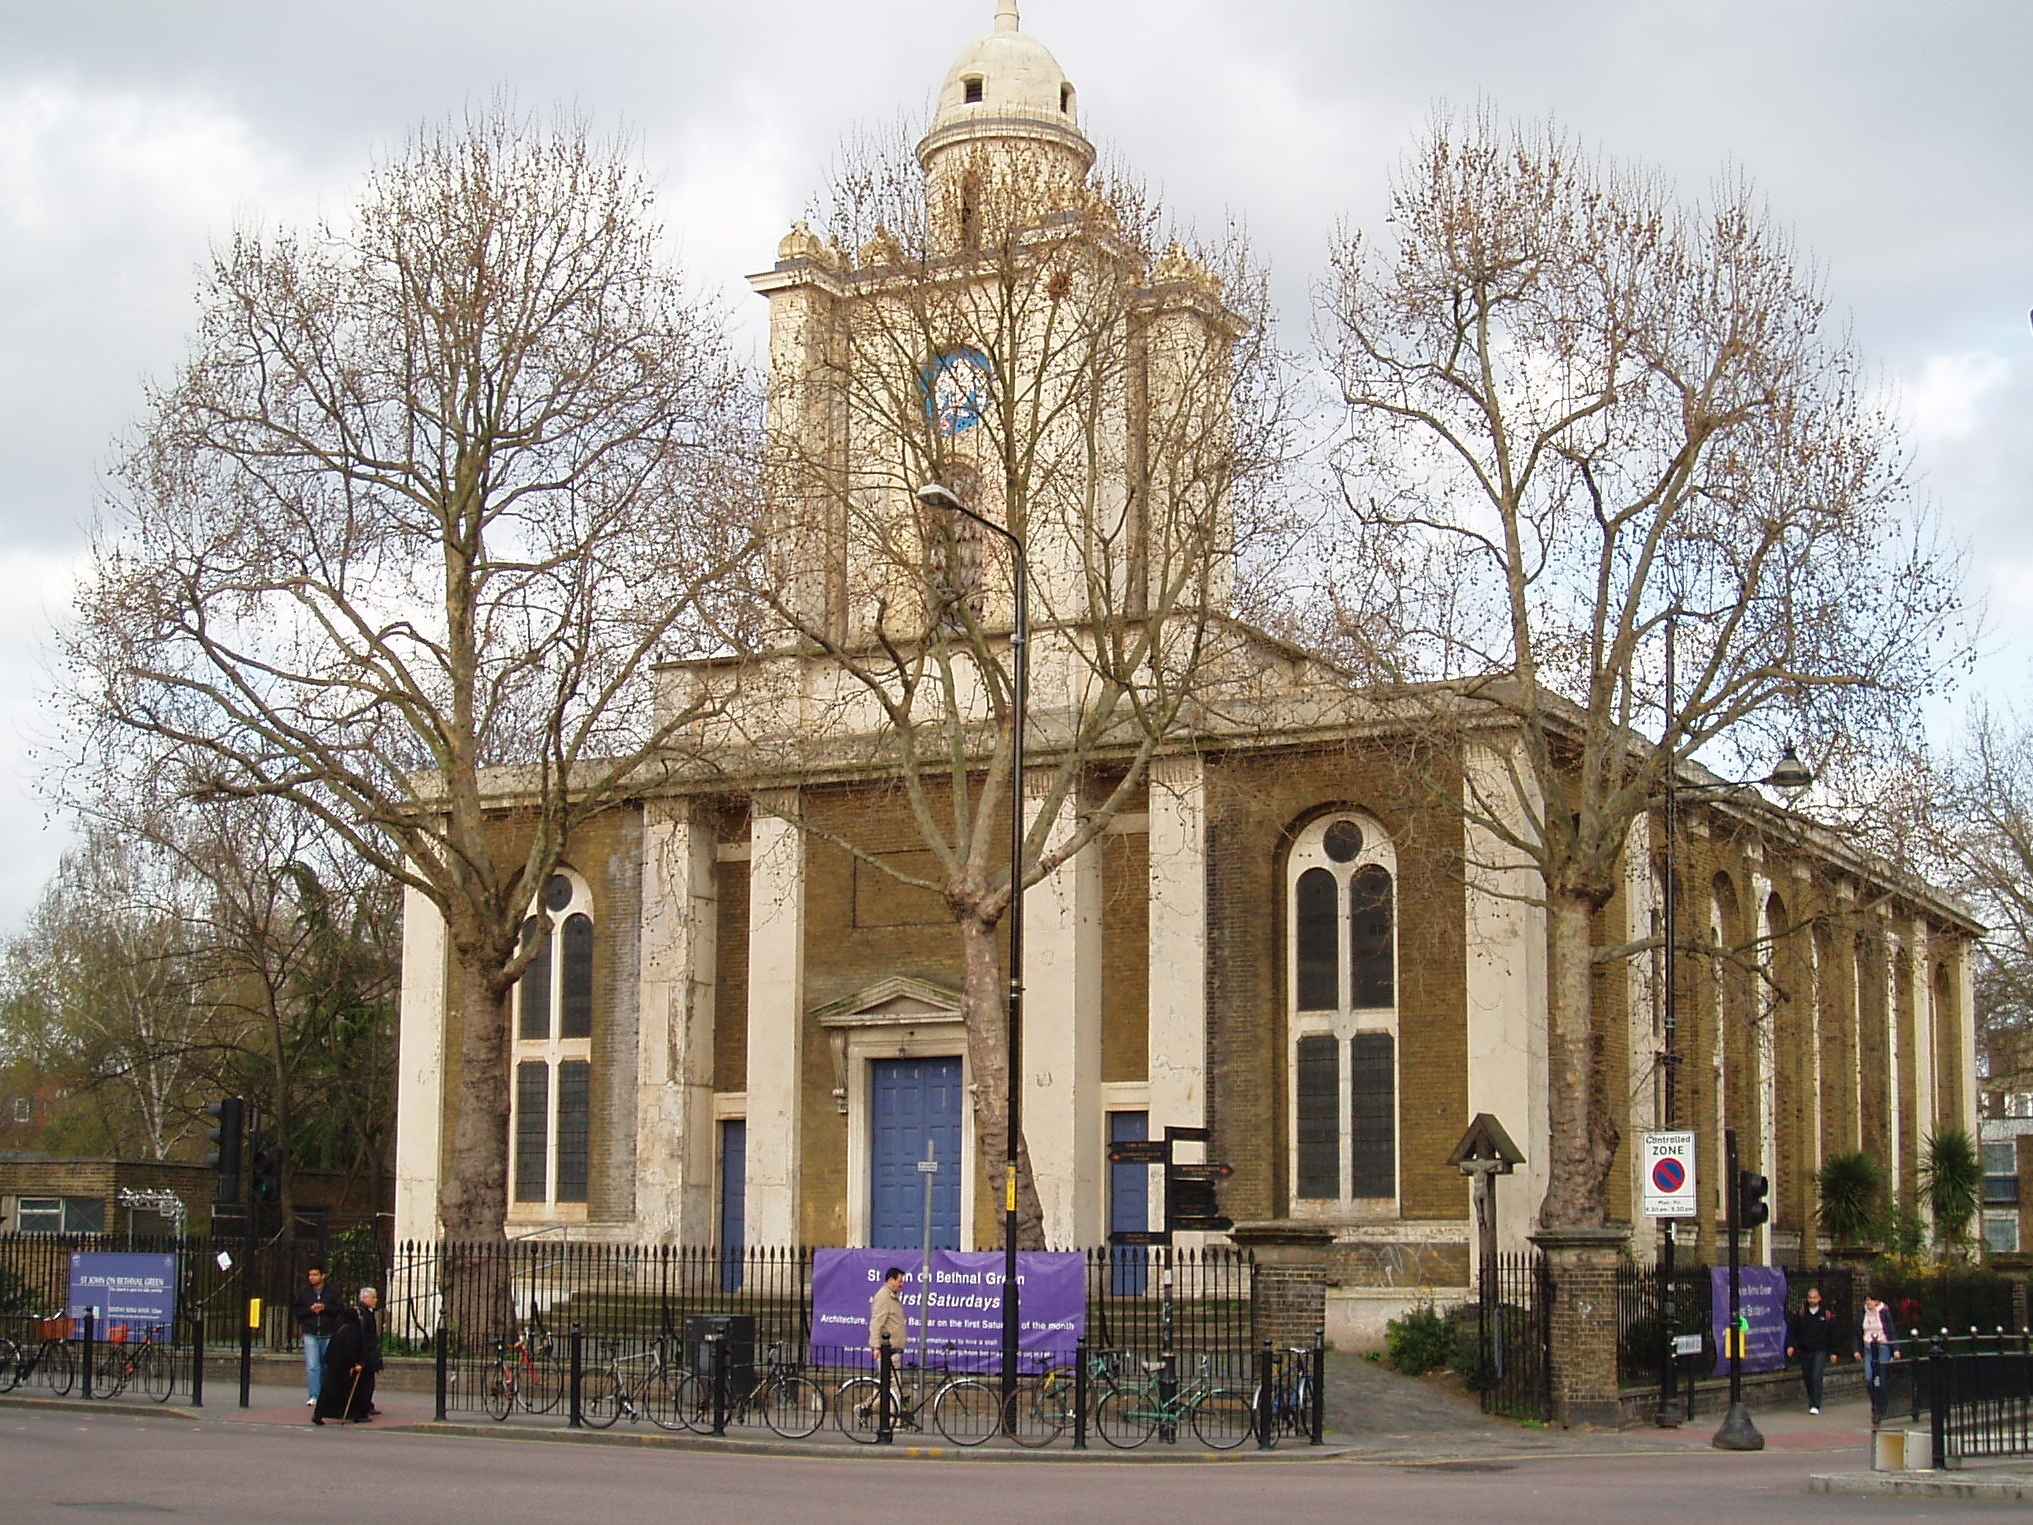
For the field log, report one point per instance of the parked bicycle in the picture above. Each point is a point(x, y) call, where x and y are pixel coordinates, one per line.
point(642, 1384)
point(965, 1411)
point(772, 1390)
point(121, 1362)
point(51, 1359)
point(1048, 1403)
point(1131, 1412)
point(526, 1372)
point(1290, 1411)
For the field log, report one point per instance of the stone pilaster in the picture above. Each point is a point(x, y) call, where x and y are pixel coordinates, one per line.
point(1288, 1292)
point(1582, 1268)
point(776, 1025)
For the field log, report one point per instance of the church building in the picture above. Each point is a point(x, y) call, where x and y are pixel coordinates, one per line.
point(747, 1023)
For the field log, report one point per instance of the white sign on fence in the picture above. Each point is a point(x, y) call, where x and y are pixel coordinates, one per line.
point(1668, 1161)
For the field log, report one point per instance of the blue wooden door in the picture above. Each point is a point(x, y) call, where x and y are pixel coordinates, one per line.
point(1129, 1203)
point(911, 1101)
point(733, 1201)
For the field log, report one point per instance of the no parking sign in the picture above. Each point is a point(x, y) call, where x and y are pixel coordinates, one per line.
point(1669, 1175)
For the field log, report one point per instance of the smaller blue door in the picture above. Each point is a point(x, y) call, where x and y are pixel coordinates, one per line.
point(733, 1201)
point(1129, 1203)
point(913, 1102)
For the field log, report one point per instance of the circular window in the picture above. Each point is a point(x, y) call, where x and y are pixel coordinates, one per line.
point(1343, 841)
point(558, 893)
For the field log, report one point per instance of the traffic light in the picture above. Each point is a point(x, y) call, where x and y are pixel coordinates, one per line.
point(1752, 1206)
point(225, 1141)
point(267, 1171)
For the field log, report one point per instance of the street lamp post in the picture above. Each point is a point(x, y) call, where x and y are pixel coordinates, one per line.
point(1791, 778)
point(938, 495)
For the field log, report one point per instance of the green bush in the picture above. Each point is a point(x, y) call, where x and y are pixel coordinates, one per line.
point(1418, 1342)
point(1475, 1367)
point(1852, 1190)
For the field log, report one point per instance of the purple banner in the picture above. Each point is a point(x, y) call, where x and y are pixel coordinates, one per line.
point(962, 1326)
point(1761, 1302)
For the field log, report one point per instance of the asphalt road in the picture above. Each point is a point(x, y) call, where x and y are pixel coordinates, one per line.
point(87, 1467)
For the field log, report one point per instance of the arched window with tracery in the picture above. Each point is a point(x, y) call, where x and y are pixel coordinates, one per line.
point(552, 1094)
point(1342, 974)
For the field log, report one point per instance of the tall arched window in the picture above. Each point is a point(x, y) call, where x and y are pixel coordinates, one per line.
point(1342, 967)
point(552, 1095)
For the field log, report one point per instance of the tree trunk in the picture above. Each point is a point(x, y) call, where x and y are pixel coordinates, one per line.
point(1583, 1137)
point(473, 1194)
point(983, 1009)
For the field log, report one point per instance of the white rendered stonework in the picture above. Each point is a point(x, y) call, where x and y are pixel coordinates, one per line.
point(1062, 1041)
point(674, 1047)
point(420, 1070)
point(776, 984)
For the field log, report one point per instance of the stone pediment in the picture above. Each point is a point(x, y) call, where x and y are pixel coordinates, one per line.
point(898, 1001)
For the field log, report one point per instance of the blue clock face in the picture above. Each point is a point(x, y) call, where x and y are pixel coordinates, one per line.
point(956, 390)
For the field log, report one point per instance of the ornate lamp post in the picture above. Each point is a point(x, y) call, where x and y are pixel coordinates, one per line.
point(938, 495)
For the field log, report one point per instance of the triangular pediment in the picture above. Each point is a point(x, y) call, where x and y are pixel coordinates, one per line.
point(898, 1000)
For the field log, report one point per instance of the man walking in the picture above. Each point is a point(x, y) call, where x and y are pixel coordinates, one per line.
point(1810, 1340)
point(317, 1315)
point(886, 1323)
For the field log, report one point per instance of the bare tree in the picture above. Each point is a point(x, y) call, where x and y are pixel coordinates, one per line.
point(1102, 390)
point(1980, 827)
point(100, 992)
point(400, 543)
point(1577, 407)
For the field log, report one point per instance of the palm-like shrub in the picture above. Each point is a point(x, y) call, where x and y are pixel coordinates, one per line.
point(1952, 1181)
point(1852, 1191)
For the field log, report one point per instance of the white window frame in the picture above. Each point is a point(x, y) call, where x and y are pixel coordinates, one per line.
point(1309, 851)
point(552, 1051)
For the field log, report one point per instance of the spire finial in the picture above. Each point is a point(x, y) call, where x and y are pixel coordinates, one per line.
point(1005, 15)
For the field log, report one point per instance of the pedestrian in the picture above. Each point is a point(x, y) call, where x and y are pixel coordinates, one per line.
point(1810, 1340)
point(886, 1323)
point(370, 1342)
point(348, 1392)
point(317, 1314)
point(1877, 1344)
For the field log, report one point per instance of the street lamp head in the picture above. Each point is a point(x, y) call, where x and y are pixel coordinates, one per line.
point(1791, 777)
point(939, 495)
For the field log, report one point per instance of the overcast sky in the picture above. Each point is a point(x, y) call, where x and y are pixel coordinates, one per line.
point(134, 134)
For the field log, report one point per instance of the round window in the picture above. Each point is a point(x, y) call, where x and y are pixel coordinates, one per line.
point(1343, 841)
point(558, 893)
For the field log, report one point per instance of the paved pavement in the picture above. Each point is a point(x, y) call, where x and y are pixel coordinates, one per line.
point(1404, 1449)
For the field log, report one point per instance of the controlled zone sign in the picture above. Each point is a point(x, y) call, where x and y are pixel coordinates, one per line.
point(1669, 1175)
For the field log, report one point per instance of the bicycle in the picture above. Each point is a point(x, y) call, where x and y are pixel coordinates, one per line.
point(1130, 1414)
point(525, 1372)
point(965, 1411)
point(120, 1363)
point(1047, 1403)
point(641, 1385)
point(52, 1357)
point(789, 1402)
point(1291, 1397)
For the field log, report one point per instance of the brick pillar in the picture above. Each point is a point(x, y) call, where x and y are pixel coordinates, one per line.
point(1288, 1293)
point(1582, 1266)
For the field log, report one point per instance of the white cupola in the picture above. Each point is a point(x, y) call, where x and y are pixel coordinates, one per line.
point(1006, 85)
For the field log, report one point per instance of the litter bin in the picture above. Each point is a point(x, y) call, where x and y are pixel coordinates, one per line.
point(737, 1329)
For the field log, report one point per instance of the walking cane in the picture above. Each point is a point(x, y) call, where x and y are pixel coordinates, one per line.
point(348, 1414)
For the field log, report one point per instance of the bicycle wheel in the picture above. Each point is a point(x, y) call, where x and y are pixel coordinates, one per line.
point(1125, 1417)
point(1044, 1408)
point(692, 1401)
point(793, 1406)
point(500, 1392)
point(857, 1409)
point(540, 1384)
point(662, 1397)
point(1274, 1421)
point(115, 1370)
point(59, 1367)
point(10, 1364)
point(601, 1399)
point(967, 1412)
point(158, 1374)
point(1222, 1419)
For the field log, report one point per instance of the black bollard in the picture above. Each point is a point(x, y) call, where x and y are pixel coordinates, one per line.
point(575, 1412)
point(198, 1359)
point(439, 1368)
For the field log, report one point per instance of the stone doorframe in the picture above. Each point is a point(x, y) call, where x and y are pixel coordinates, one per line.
point(895, 1018)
